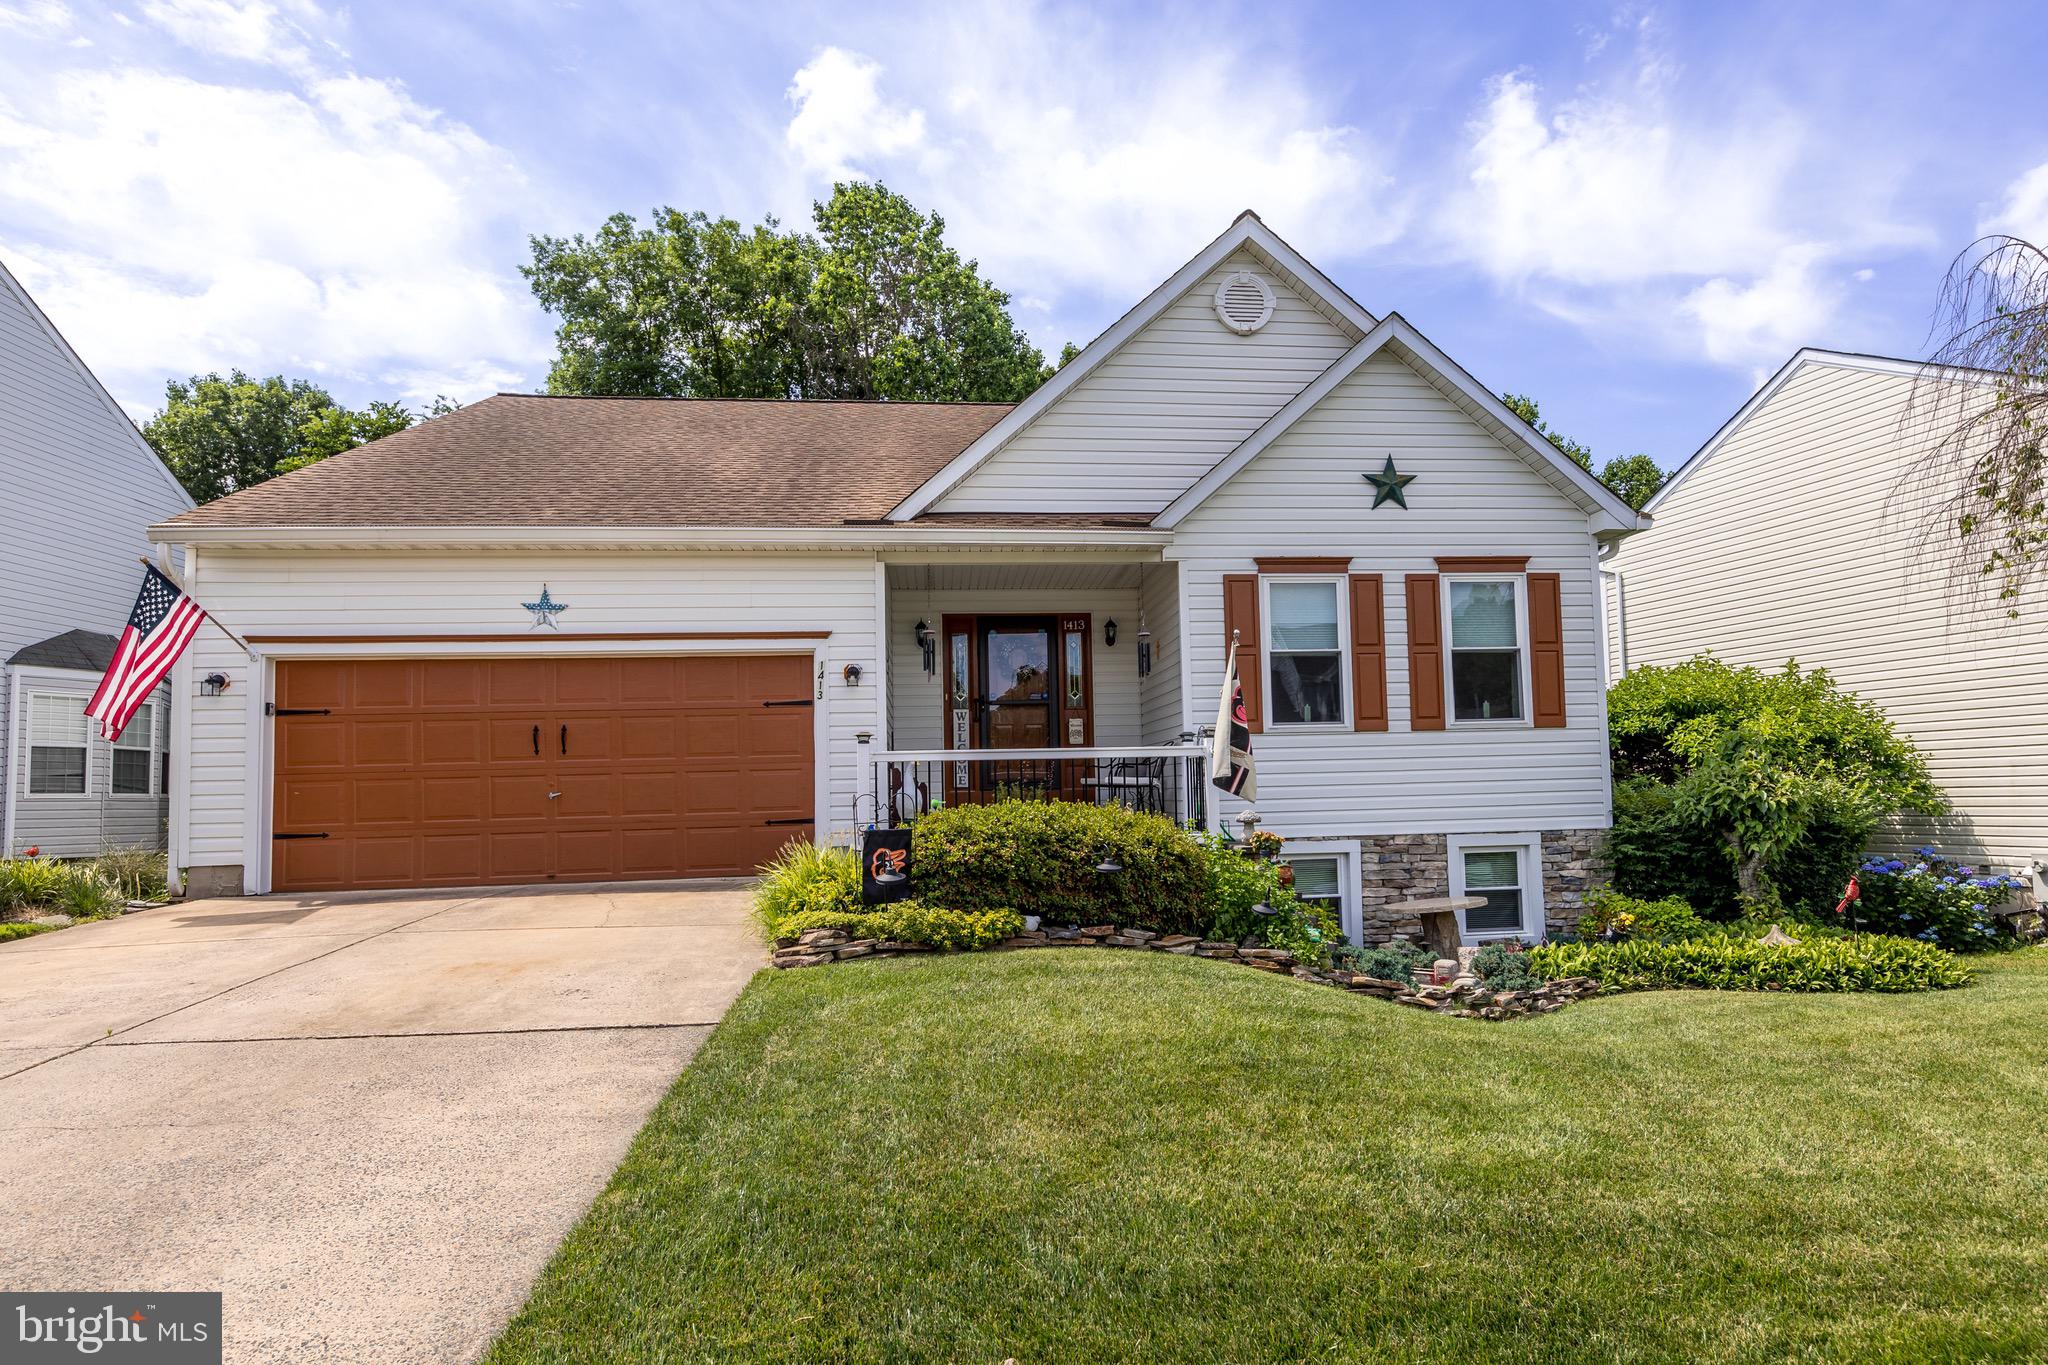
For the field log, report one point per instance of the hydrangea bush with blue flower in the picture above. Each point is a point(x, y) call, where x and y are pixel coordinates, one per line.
point(1933, 898)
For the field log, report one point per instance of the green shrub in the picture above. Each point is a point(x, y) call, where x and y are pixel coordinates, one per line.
point(913, 922)
point(30, 883)
point(1669, 920)
point(1862, 963)
point(1771, 781)
point(1654, 853)
point(1505, 968)
point(807, 877)
point(85, 894)
point(140, 874)
point(1390, 962)
point(1040, 857)
point(23, 930)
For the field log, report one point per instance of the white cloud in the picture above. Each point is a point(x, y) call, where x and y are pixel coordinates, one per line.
point(243, 30)
point(38, 18)
point(339, 230)
point(2024, 214)
point(1722, 235)
point(1063, 163)
point(1762, 321)
point(841, 121)
point(1607, 191)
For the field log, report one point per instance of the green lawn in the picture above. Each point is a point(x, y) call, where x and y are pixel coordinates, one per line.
point(1061, 1156)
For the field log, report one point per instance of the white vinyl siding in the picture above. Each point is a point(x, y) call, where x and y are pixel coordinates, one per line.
point(454, 594)
point(1801, 537)
point(1155, 416)
point(1159, 693)
point(1305, 495)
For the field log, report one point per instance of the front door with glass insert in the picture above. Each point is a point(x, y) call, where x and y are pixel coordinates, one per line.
point(1014, 682)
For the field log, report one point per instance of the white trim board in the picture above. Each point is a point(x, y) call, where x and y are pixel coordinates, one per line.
point(1247, 233)
point(1608, 511)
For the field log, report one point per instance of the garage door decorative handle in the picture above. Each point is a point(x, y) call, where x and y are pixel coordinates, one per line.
point(536, 741)
point(803, 701)
point(298, 836)
point(565, 739)
point(805, 821)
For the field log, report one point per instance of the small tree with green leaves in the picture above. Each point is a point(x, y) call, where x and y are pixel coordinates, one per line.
point(1635, 479)
point(1767, 766)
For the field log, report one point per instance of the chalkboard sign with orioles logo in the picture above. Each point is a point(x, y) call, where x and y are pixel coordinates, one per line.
point(884, 866)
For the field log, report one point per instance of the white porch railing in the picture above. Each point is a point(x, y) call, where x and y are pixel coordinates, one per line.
point(1165, 779)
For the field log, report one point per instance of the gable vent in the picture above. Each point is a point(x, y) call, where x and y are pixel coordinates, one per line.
point(1244, 302)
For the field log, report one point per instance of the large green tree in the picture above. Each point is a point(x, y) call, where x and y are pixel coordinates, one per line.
point(1635, 478)
point(874, 304)
point(221, 435)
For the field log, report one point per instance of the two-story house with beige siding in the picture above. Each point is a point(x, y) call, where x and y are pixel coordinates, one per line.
point(79, 489)
point(556, 639)
point(1802, 530)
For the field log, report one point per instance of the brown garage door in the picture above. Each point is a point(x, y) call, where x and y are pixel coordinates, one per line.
point(467, 772)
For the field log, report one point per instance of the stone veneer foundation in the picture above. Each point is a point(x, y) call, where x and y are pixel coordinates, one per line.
point(1400, 867)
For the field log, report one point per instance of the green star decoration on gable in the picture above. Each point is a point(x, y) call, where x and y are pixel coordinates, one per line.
point(1387, 485)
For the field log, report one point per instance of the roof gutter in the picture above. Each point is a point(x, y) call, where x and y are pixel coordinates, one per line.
point(659, 537)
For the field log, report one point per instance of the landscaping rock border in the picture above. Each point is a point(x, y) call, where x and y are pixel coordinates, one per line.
point(1465, 997)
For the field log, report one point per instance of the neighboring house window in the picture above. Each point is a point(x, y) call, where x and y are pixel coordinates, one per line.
point(1487, 649)
point(133, 753)
point(1326, 873)
point(57, 740)
point(1506, 871)
point(1305, 651)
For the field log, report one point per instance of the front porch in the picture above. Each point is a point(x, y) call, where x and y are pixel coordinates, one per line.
point(1052, 680)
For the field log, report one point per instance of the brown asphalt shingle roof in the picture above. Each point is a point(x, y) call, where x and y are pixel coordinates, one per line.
point(528, 460)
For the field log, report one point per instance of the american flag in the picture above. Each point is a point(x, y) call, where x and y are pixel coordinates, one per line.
point(162, 624)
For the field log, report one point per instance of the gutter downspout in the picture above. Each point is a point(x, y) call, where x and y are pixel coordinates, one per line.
point(1620, 611)
point(7, 802)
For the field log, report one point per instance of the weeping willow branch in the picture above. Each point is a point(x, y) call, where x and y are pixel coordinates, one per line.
point(1978, 414)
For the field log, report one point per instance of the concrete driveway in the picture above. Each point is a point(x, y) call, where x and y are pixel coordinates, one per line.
point(367, 1120)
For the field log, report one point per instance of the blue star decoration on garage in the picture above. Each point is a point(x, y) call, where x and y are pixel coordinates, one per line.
point(545, 610)
point(1388, 485)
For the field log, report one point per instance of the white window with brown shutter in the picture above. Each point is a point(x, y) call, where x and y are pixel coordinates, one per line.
point(1320, 654)
point(1485, 645)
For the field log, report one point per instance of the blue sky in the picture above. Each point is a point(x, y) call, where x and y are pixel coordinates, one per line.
point(1632, 212)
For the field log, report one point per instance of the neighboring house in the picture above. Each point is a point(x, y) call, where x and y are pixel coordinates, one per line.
point(1806, 529)
point(782, 618)
point(81, 488)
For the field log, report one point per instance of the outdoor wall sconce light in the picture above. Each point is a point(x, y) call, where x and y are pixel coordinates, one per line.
point(928, 641)
point(213, 684)
point(1109, 632)
point(852, 675)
